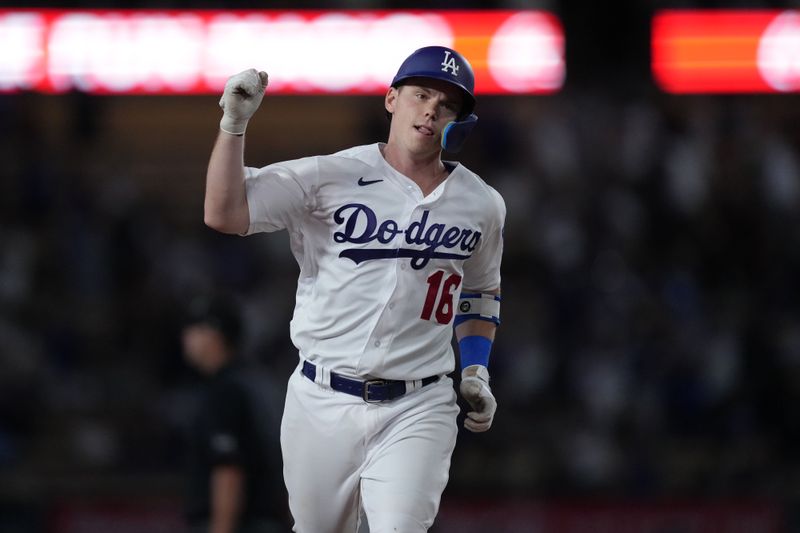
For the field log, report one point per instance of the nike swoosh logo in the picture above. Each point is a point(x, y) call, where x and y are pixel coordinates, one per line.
point(362, 181)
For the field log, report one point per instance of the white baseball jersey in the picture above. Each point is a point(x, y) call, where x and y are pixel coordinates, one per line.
point(381, 265)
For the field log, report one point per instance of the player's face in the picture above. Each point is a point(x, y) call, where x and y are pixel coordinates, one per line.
point(420, 111)
point(203, 347)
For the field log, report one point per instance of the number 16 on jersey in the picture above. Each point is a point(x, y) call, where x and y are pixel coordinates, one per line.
point(439, 299)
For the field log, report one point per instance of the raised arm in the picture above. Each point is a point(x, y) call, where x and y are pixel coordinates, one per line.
point(225, 207)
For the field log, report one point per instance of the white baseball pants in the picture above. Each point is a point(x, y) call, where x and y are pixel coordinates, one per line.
point(343, 456)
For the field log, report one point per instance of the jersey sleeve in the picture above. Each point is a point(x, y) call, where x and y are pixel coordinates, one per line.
point(227, 417)
point(482, 270)
point(278, 195)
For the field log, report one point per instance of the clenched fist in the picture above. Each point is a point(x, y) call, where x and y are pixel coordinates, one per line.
point(476, 391)
point(241, 98)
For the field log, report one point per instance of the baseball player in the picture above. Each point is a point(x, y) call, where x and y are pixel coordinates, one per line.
point(396, 246)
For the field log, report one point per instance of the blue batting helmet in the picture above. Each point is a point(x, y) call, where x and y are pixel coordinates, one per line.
point(445, 64)
point(440, 63)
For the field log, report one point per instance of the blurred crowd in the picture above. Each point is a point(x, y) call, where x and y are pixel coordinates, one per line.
point(650, 344)
point(651, 339)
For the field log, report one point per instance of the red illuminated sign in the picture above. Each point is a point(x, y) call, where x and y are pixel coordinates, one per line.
point(306, 52)
point(725, 51)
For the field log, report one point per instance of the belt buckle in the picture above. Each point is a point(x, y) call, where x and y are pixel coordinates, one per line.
point(367, 385)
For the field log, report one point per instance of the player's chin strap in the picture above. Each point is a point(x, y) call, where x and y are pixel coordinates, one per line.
point(455, 133)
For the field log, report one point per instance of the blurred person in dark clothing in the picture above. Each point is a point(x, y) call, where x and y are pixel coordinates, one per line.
point(234, 482)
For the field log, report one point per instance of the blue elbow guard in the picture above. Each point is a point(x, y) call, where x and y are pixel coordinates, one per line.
point(474, 350)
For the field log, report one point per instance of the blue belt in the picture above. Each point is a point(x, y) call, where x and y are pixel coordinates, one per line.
point(371, 391)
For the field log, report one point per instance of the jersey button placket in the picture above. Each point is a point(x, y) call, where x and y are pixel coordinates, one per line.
point(413, 214)
point(382, 334)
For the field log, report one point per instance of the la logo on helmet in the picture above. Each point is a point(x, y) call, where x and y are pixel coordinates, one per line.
point(449, 63)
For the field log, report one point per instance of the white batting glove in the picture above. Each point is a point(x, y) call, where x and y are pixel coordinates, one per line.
point(476, 391)
point(241, 98)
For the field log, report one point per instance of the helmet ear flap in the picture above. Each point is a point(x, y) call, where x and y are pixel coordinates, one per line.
point(455, 133)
